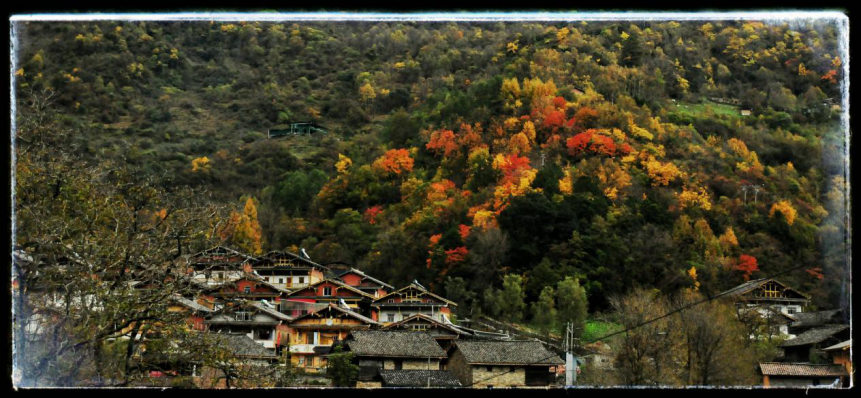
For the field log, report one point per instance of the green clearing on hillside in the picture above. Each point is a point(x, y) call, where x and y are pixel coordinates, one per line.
point(706, 107)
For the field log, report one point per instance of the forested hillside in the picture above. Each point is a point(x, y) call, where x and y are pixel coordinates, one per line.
point(614, 153)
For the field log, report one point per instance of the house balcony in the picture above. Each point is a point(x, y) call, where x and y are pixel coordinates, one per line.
point(302, 348)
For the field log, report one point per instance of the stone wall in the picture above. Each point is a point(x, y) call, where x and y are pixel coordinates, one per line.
point(368, 384)
point(412, 364)
point(498, 376)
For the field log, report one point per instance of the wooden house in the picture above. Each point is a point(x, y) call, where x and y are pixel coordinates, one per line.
point(444, 333)
point(258, 320)
point(324, 292)
point(247, 287)
point(365, 283)
point(841, 355)
point(760, 293)
point(218, 265)
point(801, 375)
point(808, 345)
point(195, 312)
point(374, 350)
point(409, 300)
point(494, 363)
point(312, 335)
point(288, 271)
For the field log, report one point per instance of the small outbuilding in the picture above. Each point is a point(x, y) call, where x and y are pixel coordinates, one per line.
point(780, 374)
point(494, 363)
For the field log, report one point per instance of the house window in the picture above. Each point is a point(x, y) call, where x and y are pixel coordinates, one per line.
point(790, 310)
point(392, 301)
point(242, 316)
point(301, 279)
point(247, 289)
point(301, 361)
point(264, 335)
point(281, 280)
point(411, 295)
point(327, 291)
point(490, 368)
point(390, 317)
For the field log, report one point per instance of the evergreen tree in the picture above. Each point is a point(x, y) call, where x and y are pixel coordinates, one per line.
point(572, 304)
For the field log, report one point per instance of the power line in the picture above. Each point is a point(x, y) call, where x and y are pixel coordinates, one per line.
point(540, 361)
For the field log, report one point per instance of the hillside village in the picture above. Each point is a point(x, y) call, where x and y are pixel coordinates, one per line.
point(284, 309)
point(460, 203)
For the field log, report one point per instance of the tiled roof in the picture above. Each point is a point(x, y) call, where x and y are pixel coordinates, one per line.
point(222, 250)
point(418, 378)
point(271, 311)
point(752, 285)
point(814, 336)
point(334, 282)
point(419, 316)
point(191, 304)
point(801, 369)
point(814, 318)
point(507, 352)
point(418, 287)
point(365, 276)
point(335, 307)
point(839, 346)
point(272, 254)
point(385, 343)
point(243, 346)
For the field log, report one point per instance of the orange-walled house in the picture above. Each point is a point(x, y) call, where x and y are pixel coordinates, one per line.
point(289, 271)
point(840, 355)
point(195, 312)
point(413, 299)
point(327, 291)
point(365, 283)
point(312, 335)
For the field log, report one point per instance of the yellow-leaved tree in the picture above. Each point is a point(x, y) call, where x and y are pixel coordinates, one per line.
point(242, 229)
point(785, 208)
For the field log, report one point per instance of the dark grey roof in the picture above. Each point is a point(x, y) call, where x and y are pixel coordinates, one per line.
point(418, 378)
point(817, 318)
point(814, 336)
point(801, 369)
point(507, 352)
point(386, 343)
point(243, 346)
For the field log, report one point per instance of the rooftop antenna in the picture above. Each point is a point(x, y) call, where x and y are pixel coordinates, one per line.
point(304, 253)
point(416, 282)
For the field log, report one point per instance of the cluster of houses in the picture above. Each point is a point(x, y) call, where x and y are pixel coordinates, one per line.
point(399, 337)
point(816, 351)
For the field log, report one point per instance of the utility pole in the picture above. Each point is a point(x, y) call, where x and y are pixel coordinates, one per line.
point(570, 359)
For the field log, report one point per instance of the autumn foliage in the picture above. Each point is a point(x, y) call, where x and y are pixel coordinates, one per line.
point(395, 161)
point(746, 265)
